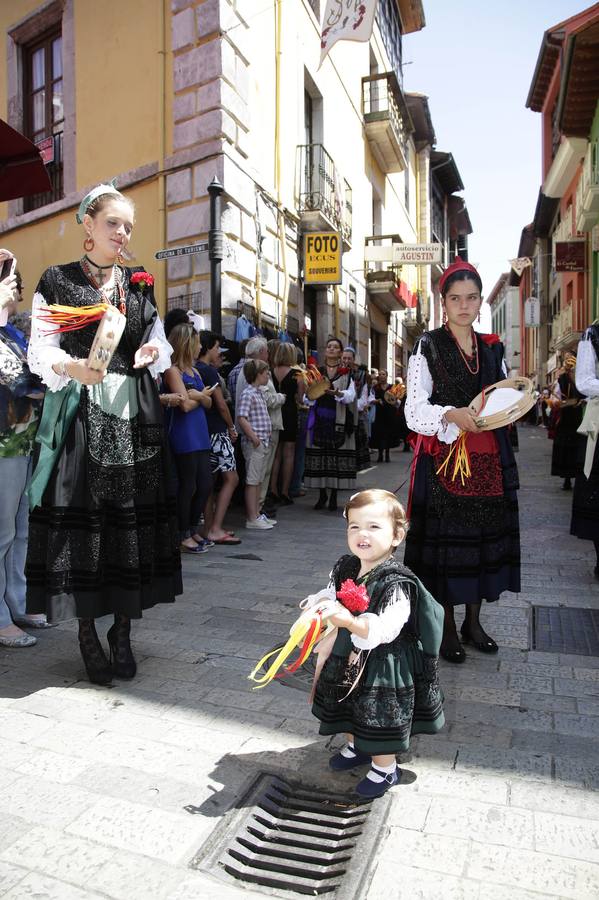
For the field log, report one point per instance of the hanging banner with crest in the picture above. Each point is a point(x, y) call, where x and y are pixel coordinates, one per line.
point(518, 265)
point(346, 20)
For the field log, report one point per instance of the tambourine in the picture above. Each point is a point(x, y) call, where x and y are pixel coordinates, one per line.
point(502, 403)
point(110, 331)
point(317, 388)
point(394, 396)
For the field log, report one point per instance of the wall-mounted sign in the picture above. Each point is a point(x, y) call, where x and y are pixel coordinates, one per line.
point(570, 256)
point(532, 312)
point(323, 255)
point(417, 254)
point(46, 149)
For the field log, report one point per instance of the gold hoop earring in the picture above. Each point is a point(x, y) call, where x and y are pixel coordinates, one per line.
point(88, 244)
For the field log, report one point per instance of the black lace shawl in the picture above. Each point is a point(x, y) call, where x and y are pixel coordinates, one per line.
point(68, 285)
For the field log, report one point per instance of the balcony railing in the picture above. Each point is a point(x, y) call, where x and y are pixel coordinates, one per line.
point(568, 325)
point(384, 120)
point(324, 191)
point(587, 191)
point(565, 231)
point(412, 319)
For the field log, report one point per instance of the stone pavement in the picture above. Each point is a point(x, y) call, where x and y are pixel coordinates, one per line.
point(109, 792)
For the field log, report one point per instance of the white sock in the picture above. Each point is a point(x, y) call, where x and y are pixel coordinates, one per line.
point(375, 772)
point(349, 752)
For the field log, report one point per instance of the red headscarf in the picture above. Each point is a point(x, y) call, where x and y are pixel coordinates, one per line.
point(458, 265)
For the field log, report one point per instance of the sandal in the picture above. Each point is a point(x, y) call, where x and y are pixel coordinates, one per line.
point(198, 549)
point(228, 539)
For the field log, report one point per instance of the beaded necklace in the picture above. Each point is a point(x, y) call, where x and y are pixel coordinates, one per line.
point(474, 356)
point(117, 289)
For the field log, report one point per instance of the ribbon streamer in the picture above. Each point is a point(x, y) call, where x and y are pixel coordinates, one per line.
point(71, 318)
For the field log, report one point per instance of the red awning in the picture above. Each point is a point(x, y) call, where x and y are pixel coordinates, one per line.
point(22, 170)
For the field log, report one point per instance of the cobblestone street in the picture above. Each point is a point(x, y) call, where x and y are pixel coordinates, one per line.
point(109, 792)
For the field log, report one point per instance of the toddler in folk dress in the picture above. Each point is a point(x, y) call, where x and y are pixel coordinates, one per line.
point(377, 677)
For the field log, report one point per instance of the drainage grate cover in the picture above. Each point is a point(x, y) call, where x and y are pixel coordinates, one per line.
point(287, 836)
point(560, 630)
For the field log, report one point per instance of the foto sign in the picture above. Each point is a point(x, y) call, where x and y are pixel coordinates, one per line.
point(322, 257)
point(182, 251)
point(532, 312)
point(417, 254)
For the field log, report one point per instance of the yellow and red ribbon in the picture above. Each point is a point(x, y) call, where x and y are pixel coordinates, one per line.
point(71, 318)
point(306, 631)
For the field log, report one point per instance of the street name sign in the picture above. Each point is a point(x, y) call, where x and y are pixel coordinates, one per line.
point(182, 251)
point(322, 257)
point(417, 254)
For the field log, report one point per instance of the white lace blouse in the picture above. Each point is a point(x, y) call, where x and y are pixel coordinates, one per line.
point(587, 369)
point(422, 416)
point(45, 350)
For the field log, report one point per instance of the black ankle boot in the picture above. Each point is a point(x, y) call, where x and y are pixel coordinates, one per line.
point(333, 501)
point(322, 500)
point(121, 655)
point(98, 668)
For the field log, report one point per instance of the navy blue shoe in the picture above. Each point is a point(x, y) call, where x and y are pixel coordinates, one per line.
point(372, 789)
point(341, 763)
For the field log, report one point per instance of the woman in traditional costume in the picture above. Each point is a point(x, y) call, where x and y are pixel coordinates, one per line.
point(103, 535)
point(386, 425)
point(330, 441)
point(585, 501)
point(464, 539)
point(379, 682)
point(359, 375)
point(564, 456)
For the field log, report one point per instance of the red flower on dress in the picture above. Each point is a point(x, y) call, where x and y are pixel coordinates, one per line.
point(353, 596)
point(342, 371)
point(490, 339)
point(143, 279)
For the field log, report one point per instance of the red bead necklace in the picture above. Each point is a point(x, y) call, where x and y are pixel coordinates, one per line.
point(463, 355)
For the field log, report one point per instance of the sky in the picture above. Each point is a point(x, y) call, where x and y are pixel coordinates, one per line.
point(475, 61)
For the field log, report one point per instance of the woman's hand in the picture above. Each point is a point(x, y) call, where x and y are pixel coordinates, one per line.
point(8, 288)
point(78, 370)
point(463, 418)
point(171, 399)
point(145, 356)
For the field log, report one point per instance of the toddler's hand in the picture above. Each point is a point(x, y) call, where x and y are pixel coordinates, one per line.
point(311, 600)
point(342, 619)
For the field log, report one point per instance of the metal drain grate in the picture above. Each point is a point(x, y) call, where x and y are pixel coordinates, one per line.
point(560, 630)
point(287, 836)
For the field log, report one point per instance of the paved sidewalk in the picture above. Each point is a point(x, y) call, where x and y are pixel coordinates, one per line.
point(109, 792)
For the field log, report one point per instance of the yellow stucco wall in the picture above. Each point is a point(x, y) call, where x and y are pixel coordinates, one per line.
point(118, 86)
point(121, 111)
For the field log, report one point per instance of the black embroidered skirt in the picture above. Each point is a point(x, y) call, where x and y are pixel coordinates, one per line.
point(566, 444)
point(90, 555)
point(398, 695)
point(362, 451)
point(585, 499)
point(457, 560)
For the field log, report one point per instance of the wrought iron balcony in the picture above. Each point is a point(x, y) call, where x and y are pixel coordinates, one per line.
point(386, 120)
point(325, 197)
point(413, 321)
point(587, 192)
point(382, 277)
